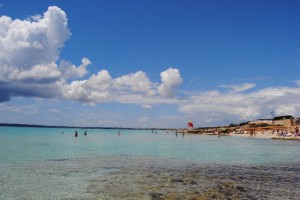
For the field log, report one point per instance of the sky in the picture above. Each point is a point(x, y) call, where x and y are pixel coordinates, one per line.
point(150, 63)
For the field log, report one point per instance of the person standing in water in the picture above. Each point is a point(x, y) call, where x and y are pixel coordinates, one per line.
point(76, 134)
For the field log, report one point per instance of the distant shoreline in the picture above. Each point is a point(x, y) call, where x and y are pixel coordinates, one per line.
point(79, 127)
point(257, 135)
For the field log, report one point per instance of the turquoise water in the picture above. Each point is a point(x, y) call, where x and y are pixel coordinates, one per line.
point(43, 163)
point(25, 144)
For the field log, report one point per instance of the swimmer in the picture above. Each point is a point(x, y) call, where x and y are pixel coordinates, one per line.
point(76, 134)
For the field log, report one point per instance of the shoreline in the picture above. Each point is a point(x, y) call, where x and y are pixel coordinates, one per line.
point(270, 132)
point(258, 135)
point(266, 136)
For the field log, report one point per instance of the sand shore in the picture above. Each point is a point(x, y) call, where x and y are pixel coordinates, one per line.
point(258, 135)
point(271, 132)
point(267, 136)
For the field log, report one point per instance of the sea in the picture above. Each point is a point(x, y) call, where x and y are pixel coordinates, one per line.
point(50, 163)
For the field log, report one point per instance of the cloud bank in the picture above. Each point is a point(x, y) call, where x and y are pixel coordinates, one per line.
point(214, 106)
point(30, 65)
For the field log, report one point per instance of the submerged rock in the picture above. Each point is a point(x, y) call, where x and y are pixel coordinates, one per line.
point(156, 196)
point(125, 178)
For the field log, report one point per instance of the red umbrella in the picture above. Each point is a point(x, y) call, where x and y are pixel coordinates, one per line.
point(190, 125)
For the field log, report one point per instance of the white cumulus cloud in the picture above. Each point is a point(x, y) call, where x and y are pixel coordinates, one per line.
point(69, 70)
point(29, 51)
point(25, 44)
point(95, 89)
point(170, 79)
point(30, 66)
point(135, 82)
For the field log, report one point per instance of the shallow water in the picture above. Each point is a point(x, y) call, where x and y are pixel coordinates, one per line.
point(43, 163)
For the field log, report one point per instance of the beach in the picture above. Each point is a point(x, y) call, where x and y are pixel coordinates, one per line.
point(260, 135)
point(271, 132)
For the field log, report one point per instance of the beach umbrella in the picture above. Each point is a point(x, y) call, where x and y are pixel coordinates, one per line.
point(190, 124)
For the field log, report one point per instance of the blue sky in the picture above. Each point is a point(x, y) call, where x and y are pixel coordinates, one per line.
point(148, 63)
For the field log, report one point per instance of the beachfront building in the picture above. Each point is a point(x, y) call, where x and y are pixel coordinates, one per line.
point(263, 121)
point(287, 120)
